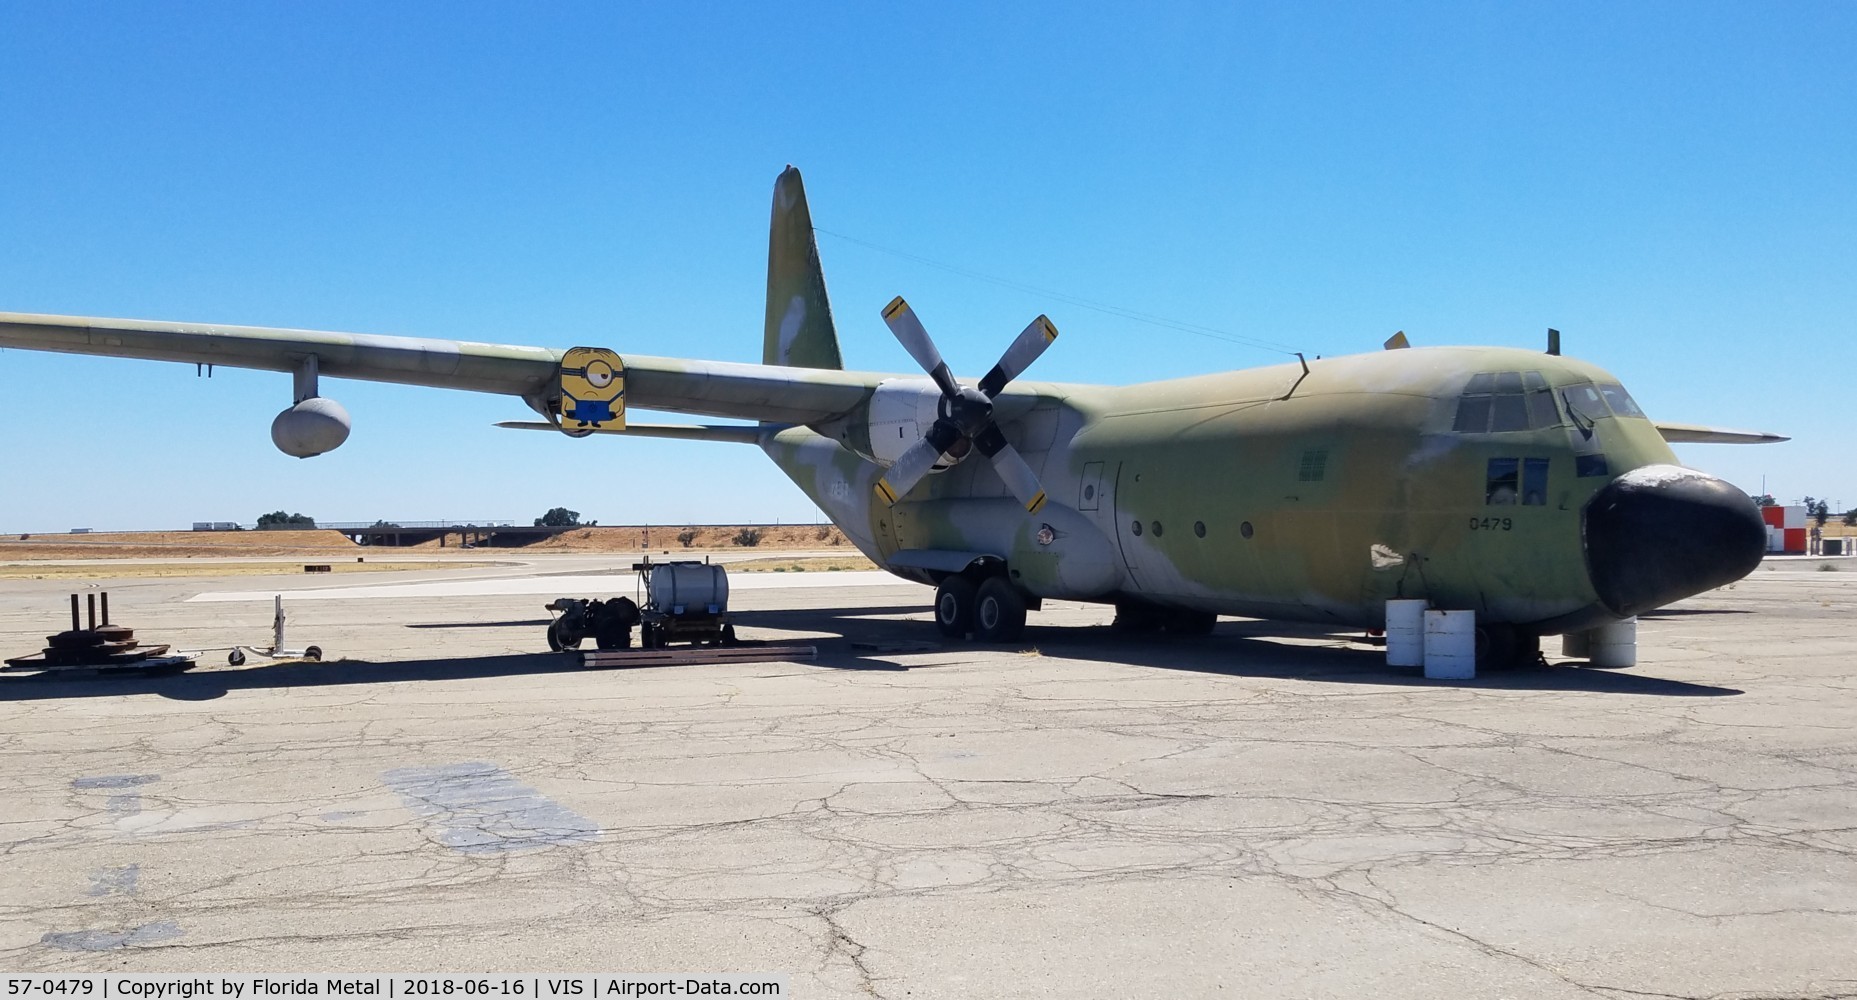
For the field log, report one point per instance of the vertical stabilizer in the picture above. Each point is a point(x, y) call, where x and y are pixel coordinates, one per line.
point(799, 317)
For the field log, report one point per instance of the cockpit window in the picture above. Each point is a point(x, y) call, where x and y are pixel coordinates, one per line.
point(1494, 402)
point(1620, 400)
point(1584, 404)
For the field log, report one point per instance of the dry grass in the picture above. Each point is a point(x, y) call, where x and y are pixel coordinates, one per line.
point(311, 545)
point(661, 537)
point(814, 564)
point(176, 544)
point(165, 570)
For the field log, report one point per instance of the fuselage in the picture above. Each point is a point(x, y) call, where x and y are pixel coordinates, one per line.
point(1466, 476)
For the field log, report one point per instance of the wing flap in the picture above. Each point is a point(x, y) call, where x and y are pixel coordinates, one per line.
point(738, 433)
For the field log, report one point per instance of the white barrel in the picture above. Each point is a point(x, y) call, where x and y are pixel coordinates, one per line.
point(1450, 645)
point(1578, 645)
point(1615, 645)
point(689, 588)
point(1405, 633)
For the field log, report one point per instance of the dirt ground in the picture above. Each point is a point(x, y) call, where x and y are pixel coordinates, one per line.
point(167, 545)
point(113, 570)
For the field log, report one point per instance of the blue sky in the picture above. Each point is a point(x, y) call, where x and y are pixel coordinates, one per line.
point(1669, 184)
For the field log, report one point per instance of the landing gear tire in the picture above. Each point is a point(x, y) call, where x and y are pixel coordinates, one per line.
point(1503, 646)
point(236, 658)
point(999, 612)
point(954, 607)
point(1138, 618)
point(1190, 622)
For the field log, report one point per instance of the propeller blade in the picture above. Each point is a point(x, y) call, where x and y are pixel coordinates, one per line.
point(908, 329)
point(1031, 343)
point(1019, 478)
point(907, 472)
point(1012, 469)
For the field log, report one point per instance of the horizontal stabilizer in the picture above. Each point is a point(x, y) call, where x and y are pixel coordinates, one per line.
point(1698, 434)
point(739, 433)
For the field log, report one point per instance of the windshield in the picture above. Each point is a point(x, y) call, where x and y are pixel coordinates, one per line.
point(1585, 404)
point(1494, 402)
point(1620, 400)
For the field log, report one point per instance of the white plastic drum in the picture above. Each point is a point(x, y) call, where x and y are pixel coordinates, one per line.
point(1614, 645)
point(1450, 645)
point(1405, 633)
point(689, 588)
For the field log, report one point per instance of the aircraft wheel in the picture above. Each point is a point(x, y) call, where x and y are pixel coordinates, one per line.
point(1191, 622)
point(1500, 646)
point(999, 612)
point(954, 607)
point(558, 637)
point(236, 658)
point(1137, 618)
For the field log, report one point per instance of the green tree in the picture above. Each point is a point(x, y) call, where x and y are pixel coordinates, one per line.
point(277, 520)
point(1766, 500)
point(1850, 517)
point(1819, 510)
point(559, 517)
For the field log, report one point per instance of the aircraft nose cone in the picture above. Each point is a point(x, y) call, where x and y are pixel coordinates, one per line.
point(1662, 533)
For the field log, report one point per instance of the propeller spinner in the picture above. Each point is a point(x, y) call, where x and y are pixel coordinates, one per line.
point(966, 415)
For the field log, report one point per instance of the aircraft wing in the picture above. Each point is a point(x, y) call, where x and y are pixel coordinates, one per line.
point(708, 388)
point(1698, 434)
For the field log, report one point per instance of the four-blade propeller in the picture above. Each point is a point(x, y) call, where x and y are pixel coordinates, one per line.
point(965, 415)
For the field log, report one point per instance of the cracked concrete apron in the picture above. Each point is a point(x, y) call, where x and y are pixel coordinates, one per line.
point(1262, 816)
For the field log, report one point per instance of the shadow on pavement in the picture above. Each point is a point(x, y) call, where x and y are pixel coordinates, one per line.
point(1235, 649)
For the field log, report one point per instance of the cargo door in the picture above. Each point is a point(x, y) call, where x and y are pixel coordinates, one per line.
point(1119, 527)
point(1089, 494)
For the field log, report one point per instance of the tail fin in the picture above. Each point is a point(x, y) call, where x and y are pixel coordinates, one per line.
point(799, 317)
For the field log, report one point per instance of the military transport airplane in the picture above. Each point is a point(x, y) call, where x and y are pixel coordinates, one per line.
point(1527, 487)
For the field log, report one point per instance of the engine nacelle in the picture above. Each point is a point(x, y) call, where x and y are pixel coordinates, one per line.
point(901, 412)
point(310, 428)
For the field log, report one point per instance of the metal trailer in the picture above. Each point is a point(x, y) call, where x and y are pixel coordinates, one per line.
point(681, 601)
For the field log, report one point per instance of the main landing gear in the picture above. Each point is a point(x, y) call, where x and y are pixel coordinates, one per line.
point(1131, 616)
point(1500, 645)
point(993, 610)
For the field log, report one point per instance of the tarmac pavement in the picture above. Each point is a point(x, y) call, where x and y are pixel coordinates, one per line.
point(1270, 811)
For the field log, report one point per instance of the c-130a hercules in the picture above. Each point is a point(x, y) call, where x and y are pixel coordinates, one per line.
point(1526, 487)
